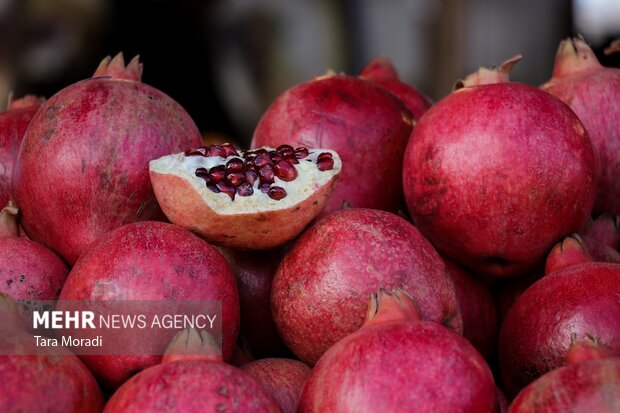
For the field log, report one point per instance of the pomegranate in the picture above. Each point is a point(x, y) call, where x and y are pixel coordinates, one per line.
point(28, 270)
point(13, 124)
point(566, 253)
point(382, 71)
point(574, 304)
point(478, 310)
point(258, 199)
point(590, 89)
point(254, 271)
point(368, 127)
point(284, 378)
point(96, 138)
point(197, 380)
point(151, 261)
point(491, 170)
point(320, 291)
point(583, 386)
point(398, 363)
point(55, 381)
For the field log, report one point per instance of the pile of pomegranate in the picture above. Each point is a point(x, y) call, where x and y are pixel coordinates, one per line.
point(372, 251)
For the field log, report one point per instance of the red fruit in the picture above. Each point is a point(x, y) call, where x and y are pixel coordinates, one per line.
point(490, 174)
point(478, 310)
point(566, 253)
point(54, 381)
point(397, 363)
point(84, 159)
point(382, 72)
point(320, 291)
point(28, 270)
point(368, 127)
point(171, 264)
point(13, 124)
point(267, 202)
point(591, 90)
point(254, 271)
point(581, 387)
point(202, 383)
point(284, 378)
point(577, 304)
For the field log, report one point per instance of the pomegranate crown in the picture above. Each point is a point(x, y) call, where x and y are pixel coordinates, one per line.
point(116, 69)
point(8, 221)
point(573, 56)
point(387, 307)
point(190, 344)
point(379, 68)
point(486, 76)
point(24, 102)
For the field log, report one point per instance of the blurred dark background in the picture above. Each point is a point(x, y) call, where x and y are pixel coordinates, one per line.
point(226, 60)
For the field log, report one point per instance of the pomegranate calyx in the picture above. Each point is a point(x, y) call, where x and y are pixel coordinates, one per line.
point(379, 69)
point(24, 102)
point(572, 250)
point(614, 47)
point(574, 56)
point(588, 349)
point(190, 344)
point(115, 68)
point(486, 76)
point(386, 307)
point(9, 226)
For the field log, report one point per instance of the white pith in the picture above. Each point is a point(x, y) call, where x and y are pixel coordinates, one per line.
point(309, 179)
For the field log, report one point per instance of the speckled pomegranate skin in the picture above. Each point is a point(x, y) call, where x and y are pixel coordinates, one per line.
point(589, 387)
point(403, 366)
point(83, 167)
point(494, 175)
point(151, 260)
point(320, 291)
point(192, 386)
point(578, 302)
point(284, 378)
point(13, 125)
point(368, 127)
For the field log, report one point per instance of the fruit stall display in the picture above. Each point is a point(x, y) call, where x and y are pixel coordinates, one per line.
point(372, 251)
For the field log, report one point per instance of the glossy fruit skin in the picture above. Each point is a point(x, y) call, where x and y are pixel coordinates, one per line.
point(490, 175)
point(84, 160)
point(151, 260)
point(192, 386)
point(284, 378)
point(581, 302)
point(321, 289)
point(592, 386)
point(402, 366)
point(368, 127)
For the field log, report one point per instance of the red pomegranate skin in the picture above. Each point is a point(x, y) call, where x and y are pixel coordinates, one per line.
point(588, 387)
point(577, 304)
point(47, 383)
point(13, 125)
point(95, 139)
point(368, 127)
point(490, 175)
point(591, 90)
point(478, 310)
point(254, 272)
point(321, 289)
point(404, 366)
point(151, 260)
point(192, 386)
point(284, 378)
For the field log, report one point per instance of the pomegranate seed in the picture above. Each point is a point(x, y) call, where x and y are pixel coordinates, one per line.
point(325, 155)
point(276, 158)
point(249, 164)
point(264, 188)
point(265, 174)
point(301, 152)
point(245, 189)
point(291, 159)
point(230, 150)
point(277, 193)
point(325, 164)
point(213, 188)
point(284, 148)
point(217, 174)
point(262, 159)
point(234, 165)
point(285, 171)
point(235, 178)
point(261, 151)
point(202, 173)
point(251, 177)
point(217, 150)
point(227, 189)
point(199, 151)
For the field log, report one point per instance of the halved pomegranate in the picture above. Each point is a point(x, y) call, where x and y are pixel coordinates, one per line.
point(255, 199)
